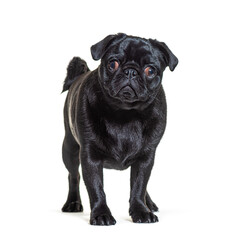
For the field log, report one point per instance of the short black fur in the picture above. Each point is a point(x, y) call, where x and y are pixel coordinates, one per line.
point(75, 68)
point(114, 118)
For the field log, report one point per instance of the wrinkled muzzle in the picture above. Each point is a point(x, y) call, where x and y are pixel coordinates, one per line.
point(127, 93)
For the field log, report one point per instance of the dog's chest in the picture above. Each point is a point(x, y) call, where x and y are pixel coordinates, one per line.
point(123, 142)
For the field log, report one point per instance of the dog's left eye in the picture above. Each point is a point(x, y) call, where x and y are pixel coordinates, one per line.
point(150, 72)
point(113, 66)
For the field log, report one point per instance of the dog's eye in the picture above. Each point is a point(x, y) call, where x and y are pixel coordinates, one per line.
point(113, 66)
point(150, 72)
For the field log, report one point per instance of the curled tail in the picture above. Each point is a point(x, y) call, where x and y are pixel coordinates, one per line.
point(76, 67)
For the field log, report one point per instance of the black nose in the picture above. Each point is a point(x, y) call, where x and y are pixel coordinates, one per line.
point(130, 72)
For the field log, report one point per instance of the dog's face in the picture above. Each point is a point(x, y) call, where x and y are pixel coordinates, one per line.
point(131, 69)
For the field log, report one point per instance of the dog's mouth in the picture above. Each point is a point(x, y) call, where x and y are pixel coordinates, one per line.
point(127, 94)
point(127, 98)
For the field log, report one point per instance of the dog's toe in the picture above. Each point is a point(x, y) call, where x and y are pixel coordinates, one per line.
point(152, 206)
point(103, 220)
point(72, 207)
point(144, 217)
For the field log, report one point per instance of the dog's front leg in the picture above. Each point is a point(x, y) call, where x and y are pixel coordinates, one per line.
point(92, 170)
point(140, 173)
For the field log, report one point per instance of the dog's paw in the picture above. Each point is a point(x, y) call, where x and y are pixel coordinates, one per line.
point(152, 207)
point(103, 220)
point(150, 204)
point(144, 217)
point(72, 207)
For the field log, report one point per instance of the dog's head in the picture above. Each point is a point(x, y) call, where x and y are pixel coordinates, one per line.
point(131, 69)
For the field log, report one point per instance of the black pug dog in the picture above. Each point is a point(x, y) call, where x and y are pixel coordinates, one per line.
point(114, 118)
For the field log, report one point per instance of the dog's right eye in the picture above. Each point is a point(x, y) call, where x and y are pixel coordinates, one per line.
point(150, 72)
point(113, 66)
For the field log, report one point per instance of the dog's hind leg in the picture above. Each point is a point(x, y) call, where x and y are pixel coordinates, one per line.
point(150, 204)
point(70, 154)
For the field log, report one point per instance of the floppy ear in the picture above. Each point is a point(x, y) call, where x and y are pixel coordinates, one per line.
point(99, 49)
point(170, 59)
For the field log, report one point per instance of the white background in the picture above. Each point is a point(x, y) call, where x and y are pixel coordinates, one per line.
point(197, 181)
